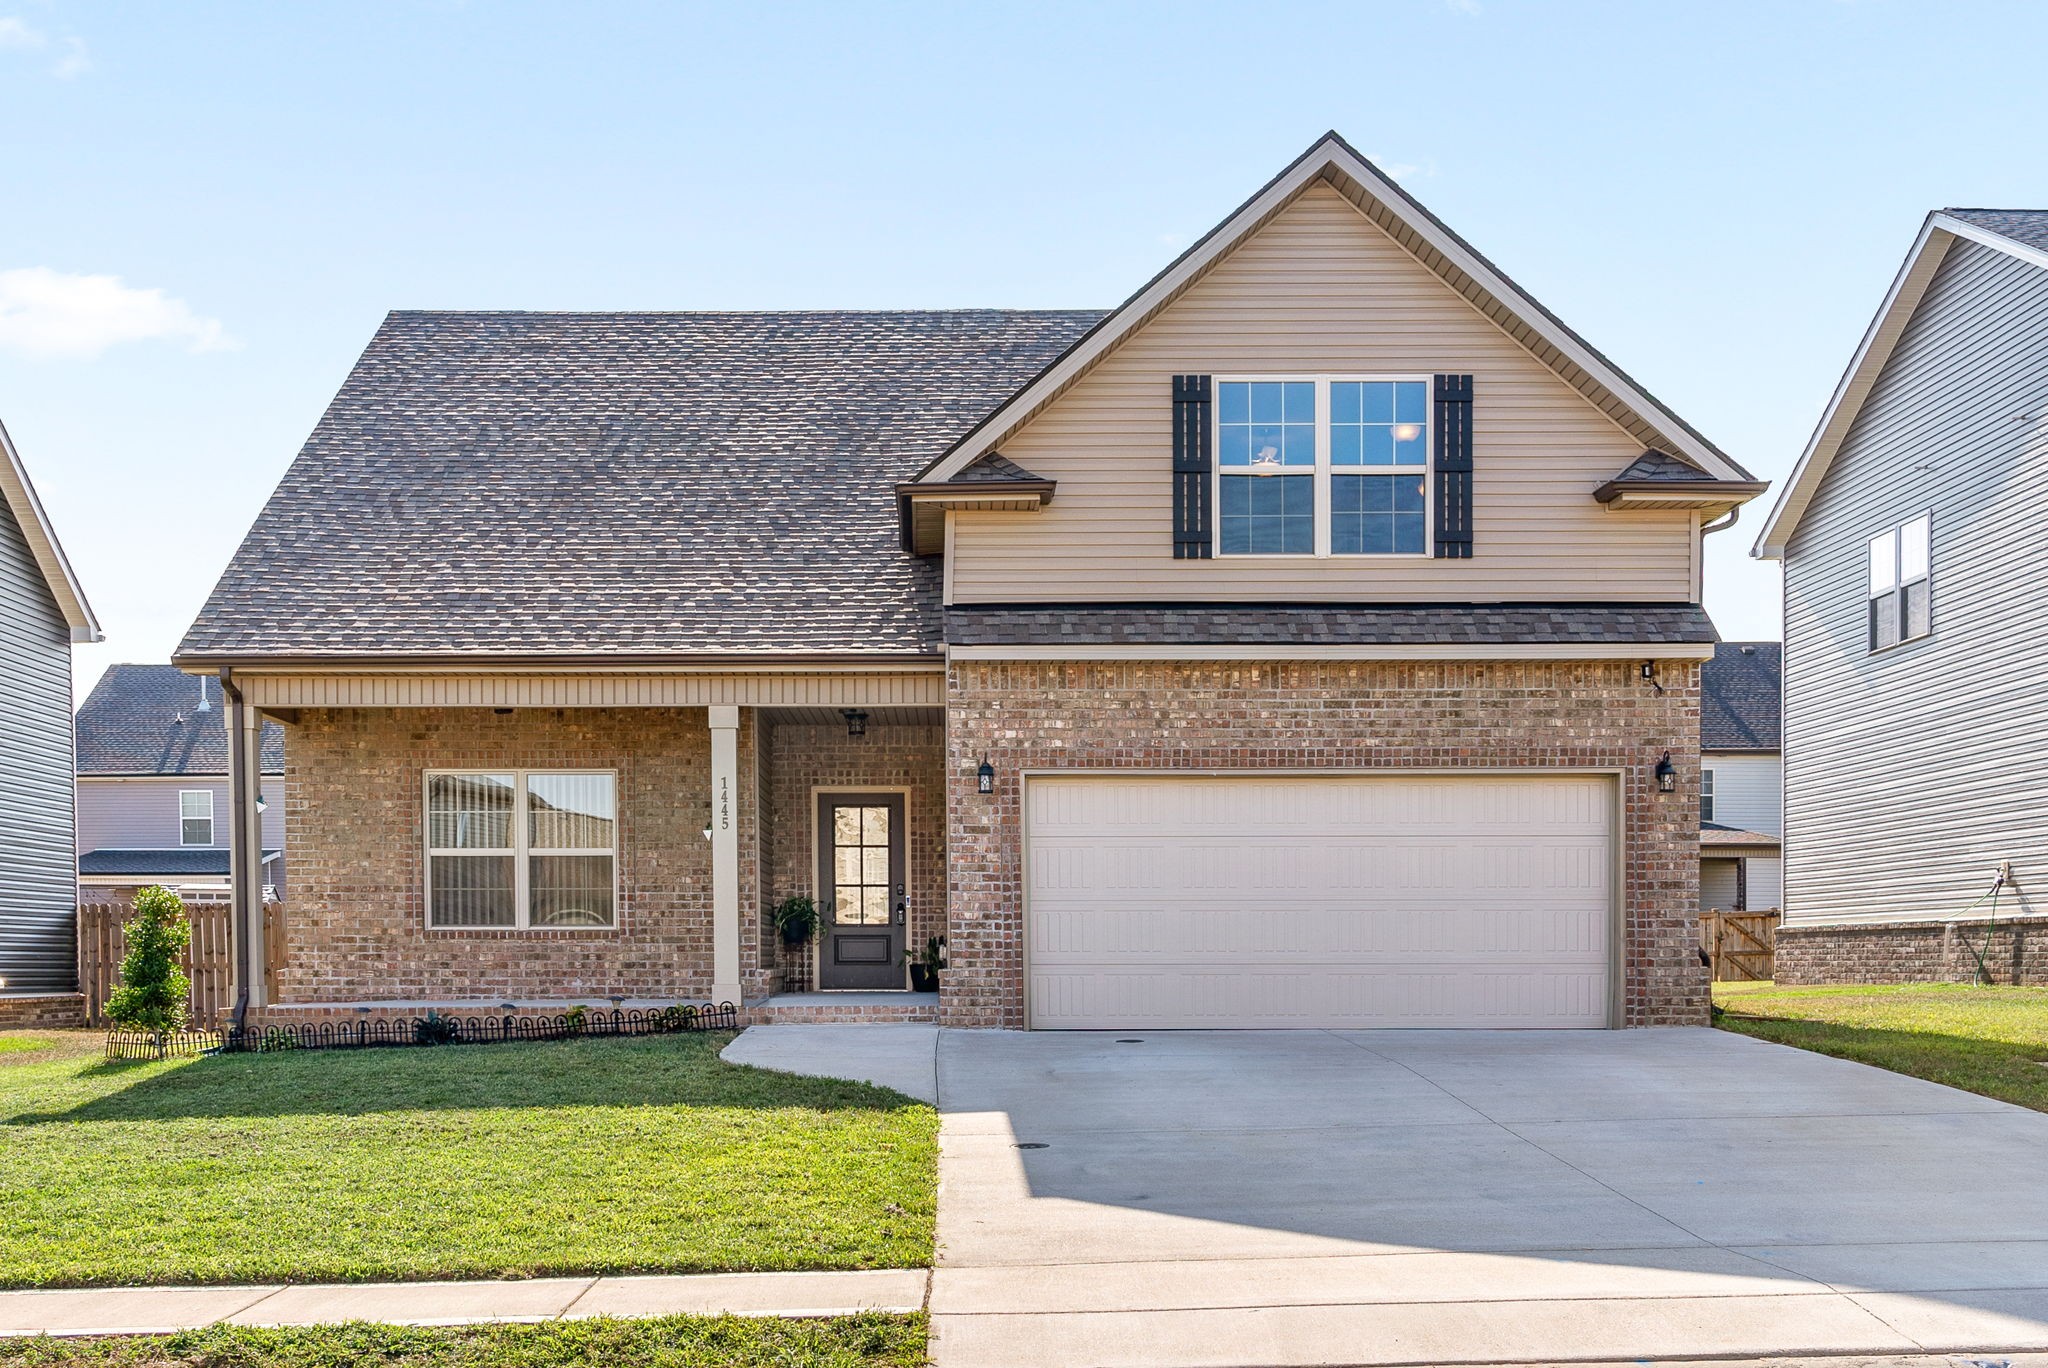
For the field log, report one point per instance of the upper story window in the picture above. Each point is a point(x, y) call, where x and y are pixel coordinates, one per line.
point(1323, 467)
point(1706, 795)
point(195, 817)
point(1901, 578)
point(521, 848)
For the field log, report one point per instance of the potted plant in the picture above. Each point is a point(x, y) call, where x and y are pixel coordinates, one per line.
point(797, 918)
point(925, 965)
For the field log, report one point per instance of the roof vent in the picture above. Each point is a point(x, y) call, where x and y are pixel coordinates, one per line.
point(1748, 650)
point(204, 706)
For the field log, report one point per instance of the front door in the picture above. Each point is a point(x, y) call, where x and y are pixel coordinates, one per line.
point(860, 874)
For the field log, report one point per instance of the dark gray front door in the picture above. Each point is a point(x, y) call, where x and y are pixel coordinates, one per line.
point(860, 876)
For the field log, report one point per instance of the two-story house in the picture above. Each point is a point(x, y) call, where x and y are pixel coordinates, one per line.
point(43, 613)
point(1742, 778)
point(1311, 640)
point(1916, 839)
point(153, 796)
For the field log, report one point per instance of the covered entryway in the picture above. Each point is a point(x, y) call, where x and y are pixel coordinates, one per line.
point(1162, 900)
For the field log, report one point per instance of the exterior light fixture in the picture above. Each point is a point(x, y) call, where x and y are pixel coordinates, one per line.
point(985, 777)
point(1667, 774)
point(856, 721)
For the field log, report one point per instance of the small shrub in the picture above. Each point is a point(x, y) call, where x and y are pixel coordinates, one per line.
point(154, 992)
point(435, 1029)
point(680, 1017)
point(277, 1038)
point(576, 1020)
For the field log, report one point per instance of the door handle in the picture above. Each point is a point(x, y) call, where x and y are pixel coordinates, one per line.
point(902, 905)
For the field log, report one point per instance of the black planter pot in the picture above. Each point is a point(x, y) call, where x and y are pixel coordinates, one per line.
point(793, 936)
point(923, 979)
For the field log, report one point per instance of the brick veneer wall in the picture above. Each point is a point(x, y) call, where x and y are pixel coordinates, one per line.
point(1913, 952)
point(1322, 715)
point(799, 759)
point(356, 927)
point(41, 1011)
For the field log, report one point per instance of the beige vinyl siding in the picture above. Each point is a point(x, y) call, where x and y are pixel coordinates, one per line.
point(1321, 290)
point(1749, 789)
point(1911, 773)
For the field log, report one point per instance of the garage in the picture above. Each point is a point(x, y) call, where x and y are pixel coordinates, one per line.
point(1182, 901)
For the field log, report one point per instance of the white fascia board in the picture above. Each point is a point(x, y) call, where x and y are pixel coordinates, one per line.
point(1331, 153)
point(1281, 651)
point(1908, 288)
point(21, 498)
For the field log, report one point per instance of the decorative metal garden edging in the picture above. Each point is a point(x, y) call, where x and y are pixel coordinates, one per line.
point(436, 1028)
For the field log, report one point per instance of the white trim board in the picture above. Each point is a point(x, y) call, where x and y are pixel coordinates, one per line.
point(1937, 234)
point(43, 545)
point(1475, 278)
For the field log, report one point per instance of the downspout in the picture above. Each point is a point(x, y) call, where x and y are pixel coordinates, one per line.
point(240, 856)
point(1722, 525)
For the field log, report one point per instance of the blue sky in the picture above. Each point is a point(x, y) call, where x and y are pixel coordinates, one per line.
point(1716, 195)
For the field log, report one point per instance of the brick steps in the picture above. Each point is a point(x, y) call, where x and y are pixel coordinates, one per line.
point(811, 1009)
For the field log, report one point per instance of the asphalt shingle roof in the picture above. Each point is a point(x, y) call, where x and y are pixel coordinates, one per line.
point(1432, 624)
point(621, 484)
point(1659, 465)
point(189, 861)
point(144, 719)
point(2028, 226)
point(1742, 697)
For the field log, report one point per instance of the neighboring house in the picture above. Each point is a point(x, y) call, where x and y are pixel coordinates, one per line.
point(1916, 836)
point(153, 796)
point(1311, 640)
point(43, 613)
point(1742, 778)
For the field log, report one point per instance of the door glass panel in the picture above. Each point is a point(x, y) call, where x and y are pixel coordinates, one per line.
point(860, 866)
point(875, 865)
point(846, 866)
point(875, 906)
point(874, 826)
point(846, 826)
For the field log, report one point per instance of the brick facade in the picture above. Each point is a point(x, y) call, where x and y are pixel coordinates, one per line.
point(356, 925)
point(1914, 952)
point(799, 761)
point(41, 1011)
point(1322, 715)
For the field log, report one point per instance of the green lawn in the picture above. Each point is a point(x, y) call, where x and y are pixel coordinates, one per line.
point(592, 1156)
point(1989, 1040)
point(669, 1342)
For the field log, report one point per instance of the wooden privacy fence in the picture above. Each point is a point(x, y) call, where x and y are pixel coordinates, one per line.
point(208, 961)
point(1741, 945)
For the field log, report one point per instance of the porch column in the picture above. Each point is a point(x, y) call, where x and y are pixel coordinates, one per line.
point(245, 849)
point(725, 855)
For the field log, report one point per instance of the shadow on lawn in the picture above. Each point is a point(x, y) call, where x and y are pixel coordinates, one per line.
point(2000, 1069)
point(665, 1071)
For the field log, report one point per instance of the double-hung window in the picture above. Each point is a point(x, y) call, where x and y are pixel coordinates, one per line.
point(1901, 579)
point(1706, 795)
point(195, 817)
point(1324, 466)
point(521, 849)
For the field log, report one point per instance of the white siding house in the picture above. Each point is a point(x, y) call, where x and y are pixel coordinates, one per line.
point(1741, 779)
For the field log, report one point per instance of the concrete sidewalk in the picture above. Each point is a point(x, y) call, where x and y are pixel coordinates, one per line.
point(160, 1310)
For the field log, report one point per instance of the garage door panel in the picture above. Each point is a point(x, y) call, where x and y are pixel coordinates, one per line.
point(1303, 901)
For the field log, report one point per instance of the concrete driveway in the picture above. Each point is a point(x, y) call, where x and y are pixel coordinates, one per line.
point(1284, 1198)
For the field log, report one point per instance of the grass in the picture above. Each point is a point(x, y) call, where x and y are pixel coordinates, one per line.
point(595, 1156)
point(868, 1341)
point(1988, 1040)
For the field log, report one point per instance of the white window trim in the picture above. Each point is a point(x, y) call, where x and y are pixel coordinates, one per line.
point(520, 851)
point(1323, 469)
point(1895, 533)
point(207, 794)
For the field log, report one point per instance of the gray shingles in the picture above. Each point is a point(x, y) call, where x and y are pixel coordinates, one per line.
point(621, 484)
point(2028, 226)
point(994, 468)
point(1396, 624)
point(145, 719)
point(187, 862)
point(1741, 697)
point(1659, 465)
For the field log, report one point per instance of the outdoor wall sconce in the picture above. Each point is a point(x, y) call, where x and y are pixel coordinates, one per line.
point(985, 777)
point(856, 721)
point(1667, 774)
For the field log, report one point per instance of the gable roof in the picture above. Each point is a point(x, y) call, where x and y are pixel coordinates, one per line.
point(1333, 161)
point(2021, 233)
point(1742, 697)
point(577, 485)
point(20, 498)
point(145, 719)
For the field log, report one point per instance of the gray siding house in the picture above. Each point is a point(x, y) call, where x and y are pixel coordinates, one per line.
point(153, 795)
point(1915, 633)
point(1742, 778)
point(42, 613)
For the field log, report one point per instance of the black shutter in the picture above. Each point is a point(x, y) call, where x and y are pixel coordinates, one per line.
point(1191, 532)
point(1454, 467)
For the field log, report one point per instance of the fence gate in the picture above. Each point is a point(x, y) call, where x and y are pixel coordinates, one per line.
point(1741, 945)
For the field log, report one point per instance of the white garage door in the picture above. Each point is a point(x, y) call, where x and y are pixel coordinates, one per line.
point(1161, 901)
